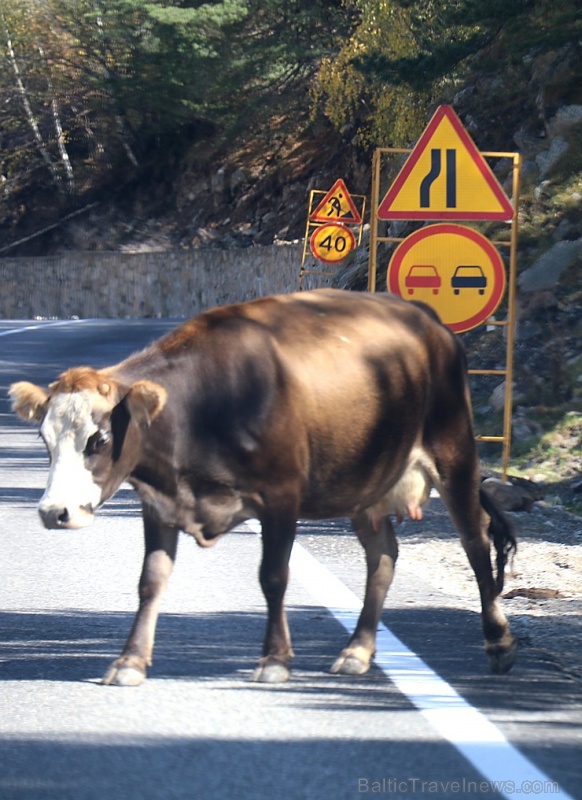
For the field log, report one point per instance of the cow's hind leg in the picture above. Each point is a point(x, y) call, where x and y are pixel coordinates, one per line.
point(381, 550)
point(278, 535)
point(461, 495)
point(160, 551)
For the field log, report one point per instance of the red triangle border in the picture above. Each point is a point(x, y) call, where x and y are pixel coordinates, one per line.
point(506, 212)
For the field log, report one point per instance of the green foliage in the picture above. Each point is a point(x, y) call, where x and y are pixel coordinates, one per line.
point(557, 451)
point(273, 53)
point(406, 55)
point(348, 89)
point(122, 75)
point(156, 63)
point(87, 84)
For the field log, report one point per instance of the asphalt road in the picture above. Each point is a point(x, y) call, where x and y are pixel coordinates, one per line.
point(428, 720)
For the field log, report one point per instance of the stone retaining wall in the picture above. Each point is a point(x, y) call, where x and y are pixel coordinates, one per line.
point(170, 284)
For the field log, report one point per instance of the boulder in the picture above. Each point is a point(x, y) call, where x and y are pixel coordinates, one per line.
point(507, 496)
point(566, 118)
point(547, 159)
point(547, 270)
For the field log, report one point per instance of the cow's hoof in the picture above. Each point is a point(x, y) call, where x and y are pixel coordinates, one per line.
point(349, 664)
point(501, 659)
point(271, 672)
point(123, 676)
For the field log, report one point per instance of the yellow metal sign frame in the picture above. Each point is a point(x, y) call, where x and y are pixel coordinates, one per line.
point(314, 200)
point(508, 323)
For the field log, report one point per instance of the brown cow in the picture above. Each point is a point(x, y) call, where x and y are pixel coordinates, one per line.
point(316, 405)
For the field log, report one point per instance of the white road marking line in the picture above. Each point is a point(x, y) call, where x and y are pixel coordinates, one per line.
point(466, 728)
point(47, 324)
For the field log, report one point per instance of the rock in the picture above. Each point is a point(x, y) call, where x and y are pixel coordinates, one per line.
point(547, 159)
point(528, 143)
point(566, 118)
point(269, 218)
point(564, 230)
point(206, 235)
point(552, 73)
point(463, 96)
point(530, 173)
point(398, 228)
point(541, 191)
point(219, 188)
point(471, 124)
point(523, 429)
point(549, 267)
point(237, 179)
point(528, 330)
point(507, 496)
point(264, 237)
point(497, 398)
point(534, 304)
point(503, 168)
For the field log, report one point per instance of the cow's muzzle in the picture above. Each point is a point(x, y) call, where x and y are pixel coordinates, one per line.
point(61, 517)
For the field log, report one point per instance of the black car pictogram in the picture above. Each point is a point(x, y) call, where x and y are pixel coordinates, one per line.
point(469, 277)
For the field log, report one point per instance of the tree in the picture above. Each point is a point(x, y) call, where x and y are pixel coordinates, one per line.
point(406, 55)
point(350, 91)
point(92, 84)
point(29, 68)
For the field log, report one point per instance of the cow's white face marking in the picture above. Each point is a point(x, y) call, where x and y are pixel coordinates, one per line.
point(71, 495)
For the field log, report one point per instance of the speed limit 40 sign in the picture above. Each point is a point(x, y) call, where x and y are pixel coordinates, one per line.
point(332, 242)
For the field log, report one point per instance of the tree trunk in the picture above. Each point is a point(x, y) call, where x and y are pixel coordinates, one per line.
point(58, 126)
point(45, 155)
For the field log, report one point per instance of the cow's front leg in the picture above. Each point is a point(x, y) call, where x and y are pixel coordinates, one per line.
point(381, 550)
point(160, 552)
point(278, 535)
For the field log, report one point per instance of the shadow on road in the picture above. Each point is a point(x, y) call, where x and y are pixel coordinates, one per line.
point(75, 646)
point(72, 645)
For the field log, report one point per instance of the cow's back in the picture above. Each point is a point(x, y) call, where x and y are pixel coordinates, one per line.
point(347, 353)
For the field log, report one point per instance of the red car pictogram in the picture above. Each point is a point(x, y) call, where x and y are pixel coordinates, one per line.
point(423, 276)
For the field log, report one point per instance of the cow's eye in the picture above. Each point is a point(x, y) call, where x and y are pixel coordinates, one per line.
point(96, 442)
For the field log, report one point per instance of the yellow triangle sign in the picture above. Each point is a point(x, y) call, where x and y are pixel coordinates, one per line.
point(446, 178)
point(337, 206)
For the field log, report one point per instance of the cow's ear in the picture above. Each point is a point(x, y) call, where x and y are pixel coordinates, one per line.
point(145, 400)
point(28, 400)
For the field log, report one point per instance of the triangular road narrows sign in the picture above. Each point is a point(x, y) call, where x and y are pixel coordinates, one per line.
point(337, 206)
point(446, 178)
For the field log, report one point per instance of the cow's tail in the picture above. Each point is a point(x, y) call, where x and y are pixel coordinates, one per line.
point(501, 533)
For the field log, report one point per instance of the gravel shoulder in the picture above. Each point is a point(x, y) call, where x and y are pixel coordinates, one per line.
point(542, 596)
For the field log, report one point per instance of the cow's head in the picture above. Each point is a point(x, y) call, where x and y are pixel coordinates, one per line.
point(92, 427)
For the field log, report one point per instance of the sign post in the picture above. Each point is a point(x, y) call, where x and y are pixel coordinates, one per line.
point(330, 220)
point(453, 268)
